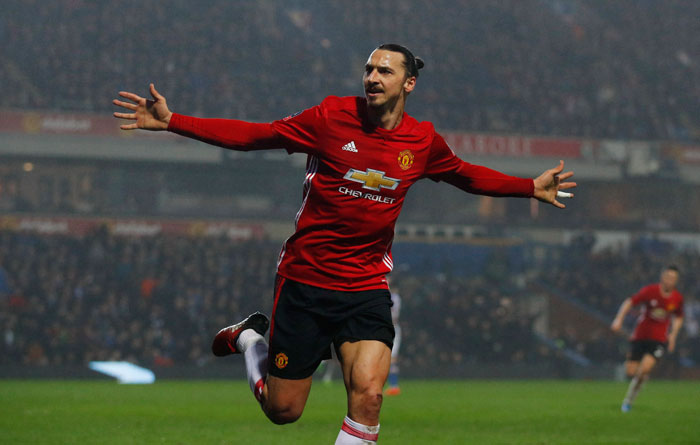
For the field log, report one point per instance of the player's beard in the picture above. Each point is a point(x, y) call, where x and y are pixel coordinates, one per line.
point(387, 106)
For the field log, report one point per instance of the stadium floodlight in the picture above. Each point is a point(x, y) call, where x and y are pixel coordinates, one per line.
point(124, 372)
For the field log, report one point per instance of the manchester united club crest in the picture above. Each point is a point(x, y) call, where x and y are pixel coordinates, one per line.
point(405, 159)
point(281, 360)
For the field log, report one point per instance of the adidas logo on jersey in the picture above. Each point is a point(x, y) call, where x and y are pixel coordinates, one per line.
point(350, 146)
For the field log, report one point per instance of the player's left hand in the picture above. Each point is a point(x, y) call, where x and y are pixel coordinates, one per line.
point(671, 344)
point(550, 182)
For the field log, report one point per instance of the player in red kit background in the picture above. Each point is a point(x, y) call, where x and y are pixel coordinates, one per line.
point(661, 302)
point(363, 154)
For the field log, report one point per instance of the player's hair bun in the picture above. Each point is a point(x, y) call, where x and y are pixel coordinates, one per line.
point(412, 63)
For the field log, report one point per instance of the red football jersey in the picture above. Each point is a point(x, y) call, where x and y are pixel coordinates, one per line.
point(655, 317)
point(357, 176)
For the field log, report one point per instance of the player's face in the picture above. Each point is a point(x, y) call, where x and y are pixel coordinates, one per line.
point(385, 79)
point(669, 279)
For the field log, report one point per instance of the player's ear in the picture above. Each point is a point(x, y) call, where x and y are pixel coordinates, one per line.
point(409, 84)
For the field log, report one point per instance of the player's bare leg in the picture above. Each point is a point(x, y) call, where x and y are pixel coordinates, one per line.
point(283, 400)
point(631, 368)
point(365, 369)
point(640, 374)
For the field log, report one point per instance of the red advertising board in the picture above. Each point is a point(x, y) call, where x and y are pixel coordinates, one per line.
point(513, 146)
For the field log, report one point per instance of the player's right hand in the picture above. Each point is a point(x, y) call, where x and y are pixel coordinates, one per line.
point(148, 114)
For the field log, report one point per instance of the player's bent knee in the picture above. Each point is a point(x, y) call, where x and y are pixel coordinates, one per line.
point(281, 416)
point(368, 400)
point(374, 400)
point(368, 390)
point(285, 399)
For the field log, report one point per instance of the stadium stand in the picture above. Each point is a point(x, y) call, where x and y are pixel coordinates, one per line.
point(611, 70)
point(622, 70)
point(157, 300)
point(69, 300)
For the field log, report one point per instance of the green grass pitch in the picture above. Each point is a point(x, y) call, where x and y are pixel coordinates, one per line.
point(427, 412)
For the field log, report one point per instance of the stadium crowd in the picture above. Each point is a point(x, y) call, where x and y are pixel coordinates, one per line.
point(623, 69)
point(452, 320)
point(69, 300)
point(157, 301)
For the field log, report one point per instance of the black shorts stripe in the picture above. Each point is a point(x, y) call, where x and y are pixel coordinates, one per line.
point(279, 282)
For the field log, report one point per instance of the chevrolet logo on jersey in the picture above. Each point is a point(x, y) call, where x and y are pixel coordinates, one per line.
point(372, 179)
point(658, 313)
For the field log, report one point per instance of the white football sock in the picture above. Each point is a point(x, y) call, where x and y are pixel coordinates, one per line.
point(634, 388)
point(353, 433)
point(254, 349)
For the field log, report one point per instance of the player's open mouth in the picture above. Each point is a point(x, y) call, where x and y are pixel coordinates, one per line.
point(373, 93)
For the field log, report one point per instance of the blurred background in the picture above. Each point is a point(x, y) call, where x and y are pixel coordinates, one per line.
point(139, 247)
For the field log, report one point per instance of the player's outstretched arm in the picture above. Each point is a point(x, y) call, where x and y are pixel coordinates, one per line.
point(673, 335)
point(154, 115)
point(148, 114)
point(549, 183)
point(625, 307)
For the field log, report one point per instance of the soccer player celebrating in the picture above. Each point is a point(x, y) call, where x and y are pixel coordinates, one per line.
point(363, 154)
point(660, 302)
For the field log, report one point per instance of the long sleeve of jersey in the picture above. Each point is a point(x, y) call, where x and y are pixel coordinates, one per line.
point(445, 166)
point(226, 133)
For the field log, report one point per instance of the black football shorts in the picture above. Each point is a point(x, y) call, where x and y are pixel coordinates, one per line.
point(638, 348)
point(306, 320)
